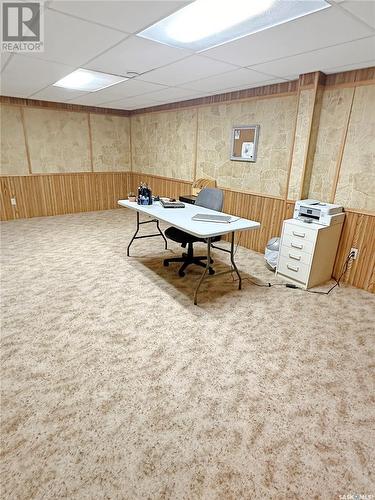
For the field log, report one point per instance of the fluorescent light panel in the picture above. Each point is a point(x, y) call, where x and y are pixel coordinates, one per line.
point(88, 81)
point(204, 24)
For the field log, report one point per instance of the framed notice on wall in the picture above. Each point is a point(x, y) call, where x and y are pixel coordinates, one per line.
point(244, 143)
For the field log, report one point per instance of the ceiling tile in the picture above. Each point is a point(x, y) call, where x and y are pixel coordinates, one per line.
point(254, 85)
point(129, 88)
point(350, 67)
point(339, 55)
point(363, 10)
point(57, 94)
point(72, 41)
point(192, 68)
point(4, 58)
point(25, 75)
point(136, 54)
point(240, 78)
point(128, 16)
point(326, 27)
point(172, 94)
point(133, 103)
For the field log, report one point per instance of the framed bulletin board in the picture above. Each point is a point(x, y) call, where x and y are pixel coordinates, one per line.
point(244, 143)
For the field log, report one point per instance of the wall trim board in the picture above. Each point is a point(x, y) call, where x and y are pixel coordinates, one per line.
point(350, 85)
point(90, 142)
point(251, 193)
point(319, 81)
point(130, 145)
point(195, 161)
point(290, 161)
point(162, 177)
point(361, 212)
point(267, 91)
point(26, 140)
point(60, 106)
point(355, 77)
point(341, 150)
point(164, 186)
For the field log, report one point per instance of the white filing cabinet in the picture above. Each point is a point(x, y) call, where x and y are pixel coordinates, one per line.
point(307, 252)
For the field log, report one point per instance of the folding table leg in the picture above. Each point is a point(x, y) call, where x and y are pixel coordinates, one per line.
point(135, 237)
point(208, 263)
point(233, 263)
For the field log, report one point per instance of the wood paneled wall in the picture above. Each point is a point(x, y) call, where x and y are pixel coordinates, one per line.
point(162, 186)
point(267, 210)
point(57, 194)
point(358, 232)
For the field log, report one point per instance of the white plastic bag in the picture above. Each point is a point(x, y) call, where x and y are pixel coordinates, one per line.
point(271, 257)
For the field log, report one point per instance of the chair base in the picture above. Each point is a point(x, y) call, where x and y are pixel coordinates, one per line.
point(188, 259)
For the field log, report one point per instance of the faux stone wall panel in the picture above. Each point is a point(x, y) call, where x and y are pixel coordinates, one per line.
point(13, 159)
point(356, 185)
point(305, 109)
point(58, 141)
point(333, 118)
point(268, 175)
point(110, 142)
point(164, 143)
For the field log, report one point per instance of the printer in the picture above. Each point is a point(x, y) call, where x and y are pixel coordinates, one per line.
point(326, 214)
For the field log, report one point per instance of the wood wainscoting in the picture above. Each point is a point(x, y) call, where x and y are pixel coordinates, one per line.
point(267, 210)
point(162, 186)
point(56, 194)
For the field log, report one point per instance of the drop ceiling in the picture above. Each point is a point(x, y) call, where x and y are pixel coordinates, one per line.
point(102, 36)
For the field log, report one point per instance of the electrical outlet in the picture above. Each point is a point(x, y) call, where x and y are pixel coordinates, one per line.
point(354, 252)
point(13, 202)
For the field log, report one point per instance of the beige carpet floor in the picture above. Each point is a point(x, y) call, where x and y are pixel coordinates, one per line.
point(115, 386)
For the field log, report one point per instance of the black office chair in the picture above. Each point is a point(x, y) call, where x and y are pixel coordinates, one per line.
point(209, 198)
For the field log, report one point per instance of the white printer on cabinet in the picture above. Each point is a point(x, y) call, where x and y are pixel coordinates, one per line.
point(316, 211)
point(309, 243)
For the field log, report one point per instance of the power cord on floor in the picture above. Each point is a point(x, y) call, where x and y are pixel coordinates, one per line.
point(349, 258)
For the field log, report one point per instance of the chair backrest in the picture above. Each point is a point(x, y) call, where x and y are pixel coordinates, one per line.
point(212, 198)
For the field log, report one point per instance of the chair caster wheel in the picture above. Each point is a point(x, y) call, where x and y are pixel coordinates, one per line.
point(166, 263)
point(211, 271)
point(181, 274)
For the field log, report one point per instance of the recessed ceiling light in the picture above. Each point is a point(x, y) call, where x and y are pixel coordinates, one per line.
point(206, 23)
point(89, 81)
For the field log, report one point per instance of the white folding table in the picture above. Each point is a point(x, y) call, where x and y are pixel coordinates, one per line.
point(182, 219)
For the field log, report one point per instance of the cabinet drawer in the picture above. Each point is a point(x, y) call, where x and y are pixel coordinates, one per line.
point(297, 244)
point(295, 270)
point(300, 233)
point(294, 257)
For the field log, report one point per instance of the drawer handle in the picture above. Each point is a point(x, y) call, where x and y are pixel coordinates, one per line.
point(300, 235)
point(295, 245)
point(295, 257)
point(292, 268)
